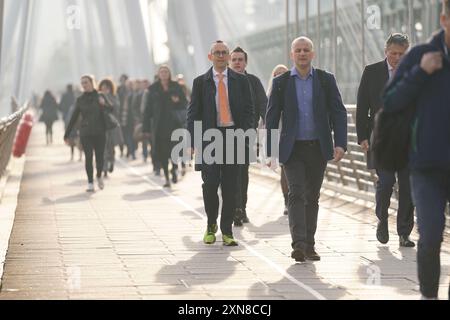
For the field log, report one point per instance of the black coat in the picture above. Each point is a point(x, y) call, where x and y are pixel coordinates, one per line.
point(92, 118)
point(259, 98)
point(161, 115)
point(203, 104)
point(370, 92)
point(49, 108)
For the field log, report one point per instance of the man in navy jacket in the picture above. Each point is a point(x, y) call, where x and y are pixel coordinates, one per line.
point(310, 106)
point(423, 81)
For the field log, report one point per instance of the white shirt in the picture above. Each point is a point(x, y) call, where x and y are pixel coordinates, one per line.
point(216, 81)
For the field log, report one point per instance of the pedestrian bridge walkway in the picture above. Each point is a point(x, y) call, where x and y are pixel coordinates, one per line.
point(136, 240)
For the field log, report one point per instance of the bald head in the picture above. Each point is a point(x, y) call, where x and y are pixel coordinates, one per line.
point(219, 44)
point(302, 40)
point(302, 54)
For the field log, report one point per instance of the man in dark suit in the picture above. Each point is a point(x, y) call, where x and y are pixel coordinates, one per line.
point(221, 100)
point(373, 82)
point(239, 61)
point(310, 106)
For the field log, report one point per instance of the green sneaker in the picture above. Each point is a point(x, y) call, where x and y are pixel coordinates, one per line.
point(229, 241)
point(210, 237)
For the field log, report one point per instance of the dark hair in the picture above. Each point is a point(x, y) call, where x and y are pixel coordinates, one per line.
point(240, 50)
point(398, 39)
point(110, 84)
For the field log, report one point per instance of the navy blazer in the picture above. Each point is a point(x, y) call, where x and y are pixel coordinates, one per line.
point(329, 115)
point(203, 104)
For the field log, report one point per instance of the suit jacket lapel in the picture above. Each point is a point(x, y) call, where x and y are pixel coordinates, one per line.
point(291, 93)
point(385, 73)
point(211, 92)
point(317, 89)
point(231, 92)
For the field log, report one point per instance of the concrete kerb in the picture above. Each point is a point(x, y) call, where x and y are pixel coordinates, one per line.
point(9, 192)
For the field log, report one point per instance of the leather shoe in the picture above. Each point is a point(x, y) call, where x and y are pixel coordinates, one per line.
point(312, 255)
point(298, 255)
point(405, 242)
point(383, 232)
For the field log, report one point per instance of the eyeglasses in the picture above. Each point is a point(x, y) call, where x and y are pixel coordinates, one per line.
point(220, 53)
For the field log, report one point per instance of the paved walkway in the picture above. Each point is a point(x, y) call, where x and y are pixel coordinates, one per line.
point(135, 240)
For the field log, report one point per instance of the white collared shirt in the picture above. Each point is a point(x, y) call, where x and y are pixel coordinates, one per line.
point(216, 81)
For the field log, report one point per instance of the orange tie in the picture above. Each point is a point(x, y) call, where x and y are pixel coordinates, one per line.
point(224, 110)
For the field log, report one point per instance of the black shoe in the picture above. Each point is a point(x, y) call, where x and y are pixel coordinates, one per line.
point(167, 184)
point(312, 255)
point(286, 211)
point(111, 168)
point(383, 232)
point(238, 216)
point(174, 177)
point(244, 217)
point(405, 242)
point(298, 255)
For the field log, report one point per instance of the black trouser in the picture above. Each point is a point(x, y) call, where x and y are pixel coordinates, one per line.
point(93, 144)
point(304, 173)
point(225, 176)
point(385, 187)
point(431, 194)
point(242, 187)
point(49, 132)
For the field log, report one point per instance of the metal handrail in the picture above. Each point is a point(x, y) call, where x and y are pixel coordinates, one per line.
point(8, 127)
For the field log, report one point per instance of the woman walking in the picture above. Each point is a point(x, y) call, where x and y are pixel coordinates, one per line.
point(49, 115)
point(166, 100)
point(114, 136)
point(91, 107)
point(277, 71)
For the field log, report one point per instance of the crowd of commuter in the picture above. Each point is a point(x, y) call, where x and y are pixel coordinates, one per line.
point(304, 104)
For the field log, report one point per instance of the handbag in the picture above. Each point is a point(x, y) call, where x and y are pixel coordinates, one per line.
point(110, 120)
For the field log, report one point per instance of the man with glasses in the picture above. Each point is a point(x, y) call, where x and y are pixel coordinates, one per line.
point(221, 99)
point(422, 81)
point(373, 82)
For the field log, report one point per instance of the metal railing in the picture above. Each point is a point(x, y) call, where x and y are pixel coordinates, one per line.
point(8, 127)
point(351, 175)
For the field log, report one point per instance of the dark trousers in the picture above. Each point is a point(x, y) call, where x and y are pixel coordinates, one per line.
point(242, 187)
point(304, 173)
point(93, 144)
point(225, 176)
point(145, 149)
point(384, 189)
point(49, 132)
point(128, 132)
point(431, 193)
point(284, 186)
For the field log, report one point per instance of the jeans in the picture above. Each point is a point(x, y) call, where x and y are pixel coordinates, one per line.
point(431, 193)
point(304, 171)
